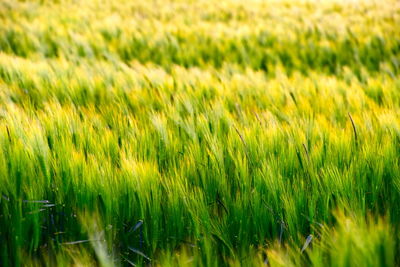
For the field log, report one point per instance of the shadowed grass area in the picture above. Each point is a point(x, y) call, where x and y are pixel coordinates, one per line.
point(179, 133)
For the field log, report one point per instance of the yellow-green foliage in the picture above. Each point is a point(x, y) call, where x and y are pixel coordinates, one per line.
point(199, 133)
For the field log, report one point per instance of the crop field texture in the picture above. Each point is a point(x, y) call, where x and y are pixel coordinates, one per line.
point(200, 133)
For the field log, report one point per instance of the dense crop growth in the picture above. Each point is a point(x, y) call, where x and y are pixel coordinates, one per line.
point(200, 133)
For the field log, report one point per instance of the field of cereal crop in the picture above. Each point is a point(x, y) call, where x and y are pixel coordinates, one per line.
point(200, 133)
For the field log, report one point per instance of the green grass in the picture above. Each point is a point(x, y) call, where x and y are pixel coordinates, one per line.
point(199, 133)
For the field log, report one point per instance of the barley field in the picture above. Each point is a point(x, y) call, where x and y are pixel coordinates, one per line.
point(200, 133)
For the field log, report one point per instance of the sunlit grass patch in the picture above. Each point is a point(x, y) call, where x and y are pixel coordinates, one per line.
point(199, 133)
